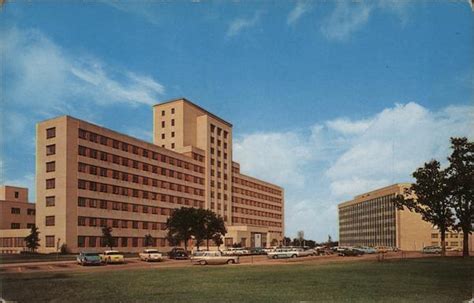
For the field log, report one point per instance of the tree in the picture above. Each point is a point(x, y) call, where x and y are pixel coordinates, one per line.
point(429, 196)
point(148, 240)
point(107, 236)
point(32, 240)
point(181, 224)
point(286, 241)
point(461, 187)
point(217, 238)
point(214, 227)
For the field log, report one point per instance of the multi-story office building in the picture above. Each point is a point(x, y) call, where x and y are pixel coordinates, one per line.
point(89, 177)
point(17, 217)
point(372, 219)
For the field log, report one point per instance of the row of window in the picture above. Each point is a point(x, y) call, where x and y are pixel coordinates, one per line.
point(220, 131)
point(146, 209)
point(254, 194)
point(254, 212)
point(219, 142)
point(17, 211)
point(453, 235)
point(255, 222)
point(116, 223)
point(111, 158)
point(127, 147)
point(123, 176)
point(256, 186)
point(256, 204)
point(125, 191)
point(18, 225)
point(93, 241)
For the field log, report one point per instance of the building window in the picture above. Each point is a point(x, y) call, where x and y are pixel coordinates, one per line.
point(103, 204)
point(81, 221)
point(163, 136)
point(135, 242)
point(172, 110)
point(92, 241)
point(81, 241)
point(163, 124)
point(17, 195)
point(162, 112)
point(50, 149)
point(50, 166)
point(30, 225)
point(30, 211)
point(172, 145)
point(15, 210)
point(51, 132)
point(49, 241)
point(172, 134)
point(50, 201)
point(50, 183)
point(15, 226)
point(49, 220)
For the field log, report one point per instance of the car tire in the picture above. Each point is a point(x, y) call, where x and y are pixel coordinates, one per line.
point(293, 256)
point(275, 257)
point(230, 261)
point(202, 262)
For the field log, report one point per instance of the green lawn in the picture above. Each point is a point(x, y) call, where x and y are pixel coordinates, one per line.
point(416, 280)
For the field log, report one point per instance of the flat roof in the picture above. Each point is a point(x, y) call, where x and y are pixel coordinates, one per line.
point(360, 198)
point(196, 106)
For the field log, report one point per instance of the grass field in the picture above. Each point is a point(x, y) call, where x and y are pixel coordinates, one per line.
point(411, 280)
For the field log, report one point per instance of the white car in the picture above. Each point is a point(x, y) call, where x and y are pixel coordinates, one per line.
point(213, 257)
point(282, 253)
point(151, 255)
point(236, 251)
point(305, 252)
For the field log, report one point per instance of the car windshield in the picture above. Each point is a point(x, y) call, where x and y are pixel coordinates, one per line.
point(91, 254)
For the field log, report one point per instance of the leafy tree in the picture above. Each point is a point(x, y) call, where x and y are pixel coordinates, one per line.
point(32, 240)
point(275, 242)
point(181, 224)
point(107, 236)
point(429, 196)
point(213, 228)
point(286, 241)
point(217, 238)
point(461, 186)
point(148, 240)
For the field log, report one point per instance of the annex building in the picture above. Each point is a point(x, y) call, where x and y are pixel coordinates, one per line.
point(372, 219)
point(88, 176)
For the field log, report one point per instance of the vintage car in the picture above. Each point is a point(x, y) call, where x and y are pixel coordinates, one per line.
point(178, 253)
point(282, 253)
point(383, 249)
point(236, 251)
point(213, 257)
point(305, 252)
point(112, 256)
point(434, 249)
point(350, 252)
point(150, 255)
point(88, 258)
point(366, 249)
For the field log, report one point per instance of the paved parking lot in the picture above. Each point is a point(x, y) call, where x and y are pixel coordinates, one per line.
point(135, 263)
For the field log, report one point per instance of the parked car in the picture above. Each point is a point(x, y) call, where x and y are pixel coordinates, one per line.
point(112, 256)
point(305, 252)
point(282, 253)
point(458, 249)
point(236, 251)
point(88, 258)
point(178, 253)
point(434, 249)
point(213, 257)
point(351, 252)
point(366, 249)
point(151, 255)
point(257, 251)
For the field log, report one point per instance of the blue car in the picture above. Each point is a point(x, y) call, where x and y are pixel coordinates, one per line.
point(88, 258)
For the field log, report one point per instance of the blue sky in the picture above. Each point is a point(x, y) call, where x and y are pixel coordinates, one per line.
point(343, 96)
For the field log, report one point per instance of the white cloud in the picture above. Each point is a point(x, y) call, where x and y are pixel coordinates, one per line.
point(331, 162)
point(301, 8)
point(239, 24)
point(346, 18)
point(42, 74)
point(349, 17)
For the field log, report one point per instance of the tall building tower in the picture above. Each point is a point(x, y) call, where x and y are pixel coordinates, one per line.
point(183, 126)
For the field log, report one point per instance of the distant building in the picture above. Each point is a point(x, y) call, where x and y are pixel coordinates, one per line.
point(89, 176)
point(17, 217)
point(372, 219)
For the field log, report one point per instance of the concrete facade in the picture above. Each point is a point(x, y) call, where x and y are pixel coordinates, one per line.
point(89, 176)
point(17, 217)
point(372, 219)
